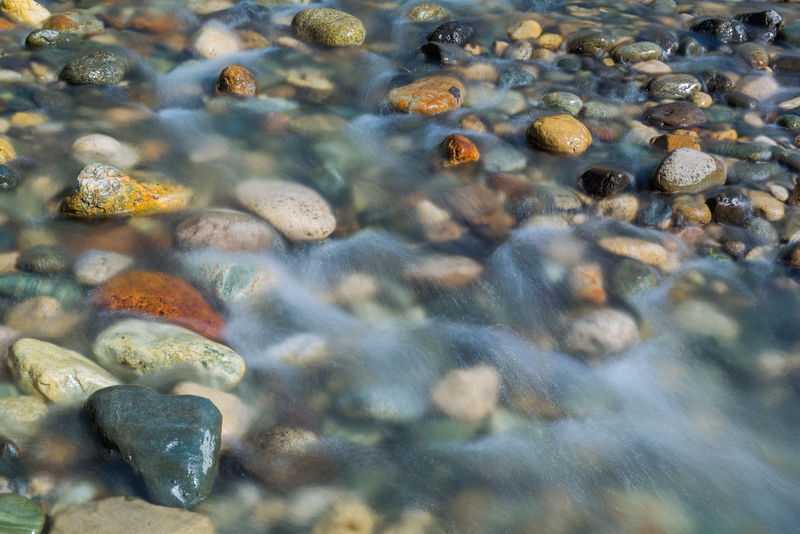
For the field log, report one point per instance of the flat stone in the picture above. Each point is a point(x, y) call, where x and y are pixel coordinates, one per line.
point(100, 147)
point(675, 115)
point(639, 249)
point(525, 29)
point(297, 211)
point(602, 332)
point(51, 39)
point(561, 134)
point(137, 349)
point(624, 207)
point(19, 515)
point(346, 518)
point(685, 170)
point(60, 375)
point(125, 515)
point(702, 318)
point(160, 296)
point(328, 27)
point(724, 30)
point(96, 67)
point(41, 317)
point(173, 442)
point(21, 416)
point(638, 51)
point(104, 191)
point(675, 86)
point(94, 267)
point(429, 95)
point(44, 259)
point(26, 11)
point(444, 272)
point(226, 230)
point(586, 283)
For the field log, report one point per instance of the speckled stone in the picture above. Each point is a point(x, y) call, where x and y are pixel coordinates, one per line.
point(25, 11)
point(98, 67)
point(429, 95)
point(227, 230)
point(602, 332)
point(426, 12)
point(238, 81)
point(675, 86)
point(568, 103)
point(686, 170)
point(328, 27)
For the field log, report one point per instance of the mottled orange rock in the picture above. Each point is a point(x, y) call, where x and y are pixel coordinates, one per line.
point(429, 95)
point(457, 149)
point(670, 142)
point(235, 80)
point(159, 295)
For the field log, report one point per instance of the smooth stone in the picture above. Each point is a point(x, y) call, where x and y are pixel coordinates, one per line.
point(705, 319)
point(452, 32)
point(467, 395)
point(729, 206)
point(104, 191)
point(41, 317)
point(674, 86)
point(137, 349)
point(7, 151)
point(639, 51)
point(631, 277)
point(236, 414)
point(753, 54)
point(623, 207)
point(18, 285)
point(51, 39)
point(690, 47)
point(426, 12)
point(638, 249)
point(297, 211)
point(758, 86)
point(100, 147)
point(391, 403)
point(503, 158)
point(19, 515)
point(8, 178)
point(457, 149)
point(94, 267)
point(675, 115)
point(305, 351)
point(569, 103)
point(21, 416)
point(527, 29)
point(716, 82)
point(26, 11)
point(665, 39)
point(737, 99)
point(227, 279)
point(443, 271)
point(589, 42)
point(97, 67)
point(238, 81)
point(605, 181)
point(766, 205)
point(328, 27)
point(602, 332)
point(515, 78)
point(686, 170)
point(561, 134)
point(44, 259)
point(791, 33)
point(728, 31)
point(764, 25)
point(126, 515)
point(60, 375)
point(701, 99)
point(428, 96)
point(226, 230)
point(173, 442)
point(216, 40)
point(76, 21)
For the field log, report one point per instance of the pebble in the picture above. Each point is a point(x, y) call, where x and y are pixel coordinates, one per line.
point(238, 81)
point(94, 267)
point(670, 142)
point(426, 12)
point(724, 30)
point(766, 205)
point(96, 67)
point(443, 272)
point(685, 170)
point(586, 282)
point(126, 515)
point(651, 66)
point(639, 249)
point(45, 259)
point(173, 442)
point(758, 86)
point(17, 285)
point(350, 517)
point(688, 210)
point(527, 29)
point(236, 414)
point(700, 99)
point(457, 149)
point(229, 280)
point(589, 42)
point(41, 317)
point(469, 394)
point(729, 206)
point(21, 416)
point(26, 11)
point(59, 375)
point(226, 230)
point(75, 21)
point(328, 27)
point(301, 350)
point(297, 211)
point(159, 295)
point(7, 151)
point(515, 78)
point(631, 277)
point(51, 39)
point(705, 319)
point(561, 134)
point(105, 191)
point(100, 147)
point(605, 181)
point(623, 207)
point(568, 103)
point(635, 52)
point(674, 86)
point(8, 178)
point(428, 96)
point(137, 349)
point(675, 115)
point(601, 332)
point(453, 32)
point(19, 515)
point(216, 40)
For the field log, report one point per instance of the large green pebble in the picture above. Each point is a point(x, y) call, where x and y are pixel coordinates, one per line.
point(328, 27)
point(19, 515)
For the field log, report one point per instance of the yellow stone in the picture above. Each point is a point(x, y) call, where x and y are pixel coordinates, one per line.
point(26, 11)
point(526, 29)
point(562, 134)
point(7, 152)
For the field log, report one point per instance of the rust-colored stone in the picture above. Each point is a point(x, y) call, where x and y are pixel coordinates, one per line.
point(429, 95)
point(457, 149)
point(235, 80)
point(159, 295)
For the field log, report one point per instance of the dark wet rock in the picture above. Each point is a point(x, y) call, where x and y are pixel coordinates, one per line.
point(737, 99)
point(675, 115)
point(589, 42)
point(453, 32)
point(728, 31)
point(664, 39)
point(101, 67)
point(690, 47)
point(444, 53)
point(45, 259)
point(515, 78)
point(11, 465)
point(631, 277)
point(790, 122)
point(675, 86)
point(716, 81)
point(51, 39)
point(8, 178)
point(19, 515)
point(787, 64)
point(605, 181)
point(27, 285)
point(729, 206)
point(172, 441)
point(764, 25)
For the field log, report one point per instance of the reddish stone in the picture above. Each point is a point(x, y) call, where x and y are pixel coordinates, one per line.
point(159, 295)
point(430, 95)
point(235, 80)
point(457, 149)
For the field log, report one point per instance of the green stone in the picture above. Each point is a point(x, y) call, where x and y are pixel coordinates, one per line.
point(791, 33)
point(328, 27)
point(569, 103)
point(632, 277)
point(589, 42)
point(51, 39)
point(26, 285)
point(426, 12)
point(19, 515)
point(44, 259)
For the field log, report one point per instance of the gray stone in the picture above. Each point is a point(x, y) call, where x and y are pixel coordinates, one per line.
point(639, 51)
point(675, 86)
point(100, 67)
point(227, 230)
point(601, 332)
point(563, 101)
point(686, 170)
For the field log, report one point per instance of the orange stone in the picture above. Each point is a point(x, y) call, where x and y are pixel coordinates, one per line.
point(235, 80)
point(6, 24)
point(670, 142)
point(159, 295)
point(428, 96)
point(457, 149)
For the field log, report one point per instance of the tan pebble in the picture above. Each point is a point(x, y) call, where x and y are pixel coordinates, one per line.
point(724, 135)
point(790, 104)
point(766, 205)
point(236, 414)
point(752, 118)
point(778, 191)
point(473, 123)
point(645, 251)
point(690, 210)
point(355, 287)
point(550, 41)
point(651, 66)
point(346, 518)
point(21, 416)
point(444, 272)
point(603, 331)
point(25, 11)
point(28, 118)
point(484, 72)
point(499, 48)
point(623, 207)
point(701, 99)
point(468, 394)
point(670, 142)
point(525, 29)
point(216, 40)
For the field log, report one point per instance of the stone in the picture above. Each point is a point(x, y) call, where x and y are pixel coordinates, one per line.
point(469, 394)
point(8, 178)
point(586, 282)
point(21, 416)
point(602, 332)
point(328, 27)
point(94, 267)
point(605, 181)
point(173, 442)
point(767, 206)
point(568, 103)
point(96, 67)
point(561, 134)
point(763, 25)
point(137, 349)
point(229, 280)
point(754, 55)
point(670, 142)
point(515, 78)
point(349, 517)
point(589, 42)
point(426, 12)
point(716, 82)
point(623, 207)
point(51, 39)
point(758, 86)
point(702, 318)
point(685, 170)
point(639, 249)
point(675, 115)
point(729, 206)
point(126, 515)
point(428, 96)
point(19, 515)
point(41, 317)
point(652, 66)
point(216, 40)
point(60, 375)
point(728, 31)
point(105, 191)
point(100, 147)
point(25, 11)
point(791, 33)
point(631, 277)
point(638, 51)
point(75, 21)
point(453, 32)
point(236, 414)
point(18, 285)
point(45, 259)
point(674, 86)
point(159, 295)
point(457, 149)
point(7, 151)
point(238, 81)
point(527, 29)
point(226, 230)
point(297, 211)
point(687, 210)
point(737, 99)
point(443, 272)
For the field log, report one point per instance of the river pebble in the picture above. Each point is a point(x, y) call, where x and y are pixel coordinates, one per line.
point(28, 12)
point(328, 27)
point(601, 332)
point(428, 96)
point(94, 267)
point(97, 67)
point(19, 515)
point(561, 134)
point(228, 230)
point(685, 170)
point(100, 147)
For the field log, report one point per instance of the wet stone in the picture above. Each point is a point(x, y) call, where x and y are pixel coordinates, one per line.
point(515, 78)
point(44, 259)
point(728, 31)
point(97, 266)
point(787, 64)
point(8, 178)
point(791, 33)
point(173, 442)
point(27, 285)
point(75, 21)
point(737, 99)
point(21, 416)
point(227, 230)
point(428, 96)
point(675, 115)
point(457, 33)
point(468, 395)
point(19, 515)
point(568, 103)
point(639, 51)
point(687, 170)
point(561, 134)
point(238, 81)
point(754, 54)
point(674, 86)
point(690, 47)
point(215, 39)
point(605, 181)
point(729, 206)
point(457, 149)
point(51, 39)
point(98, 67)
point(589, 42)
point(28, 12)
point(426, 12)
point(444, 53)
point(763, 25)
point(631, 277)
point(716, 82)
point(328, 27)
point(602, 332)
point(99, 147)
point(664, 39)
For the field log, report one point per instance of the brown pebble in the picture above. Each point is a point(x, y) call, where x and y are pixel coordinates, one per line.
point(457, 149)
point(235, 80)
point(670, 142)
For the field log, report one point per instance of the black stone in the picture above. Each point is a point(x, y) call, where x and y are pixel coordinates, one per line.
point(172, 441)
point(716, 81)
point(763, 25)
point(443, 53)
point(605, 181)
point(8, 178)
point(729, 206)
point(675, 115)
point(736, 99)
point(728, 31)
point(102, 67)
point(663, 38)
point(453, 32)
point(787, 64)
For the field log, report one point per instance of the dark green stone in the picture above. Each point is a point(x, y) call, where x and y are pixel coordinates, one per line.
point(27, 285)
point(8, 178)
point(569, 64)
point(44, 259)
point(791, 33)
point(102, 67)
point(743, 151)
point(19, 515)
point(51, 39)
point(690, 47)
point(172, 441)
